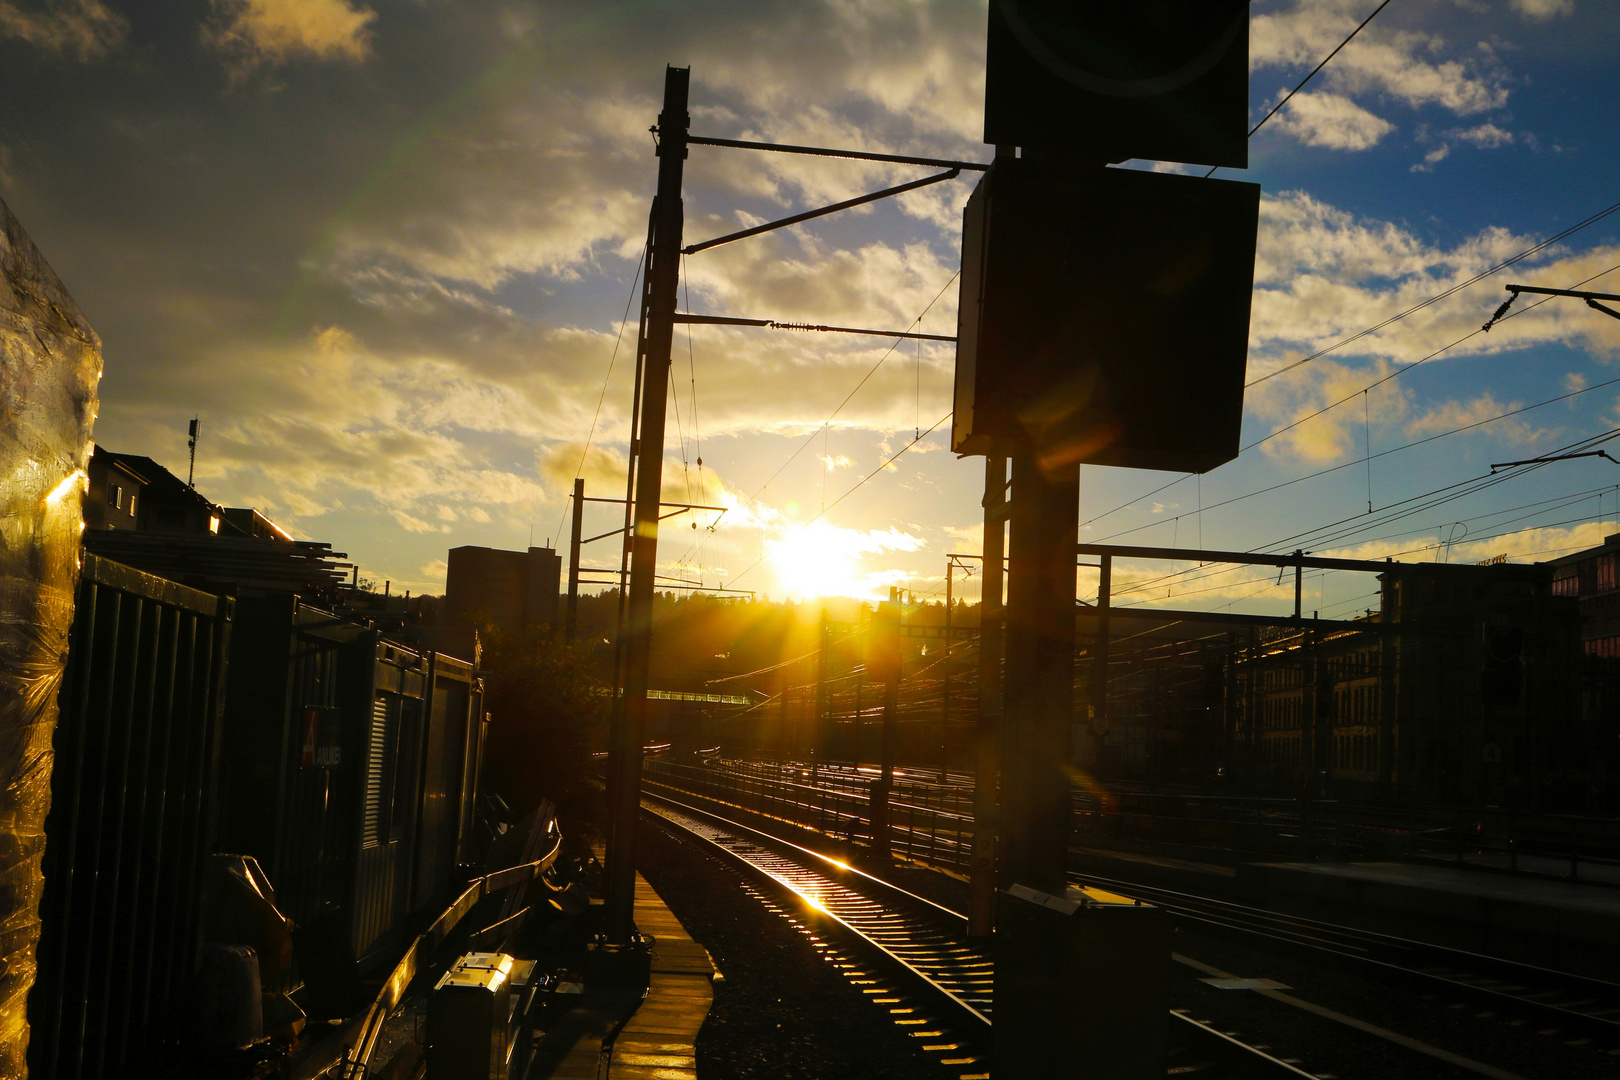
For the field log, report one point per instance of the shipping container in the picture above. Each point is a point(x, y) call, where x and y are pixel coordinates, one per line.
point(132, 820)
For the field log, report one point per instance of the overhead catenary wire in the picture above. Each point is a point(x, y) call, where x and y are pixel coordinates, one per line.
point(1329, 408)
point(579, 470)
point(1437, 497)
point(1437, 297)
point(1301, 85)
point(892, 459)
point(850, 396)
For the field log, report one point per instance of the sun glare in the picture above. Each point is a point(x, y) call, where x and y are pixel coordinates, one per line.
point(809, 562)
point(819, 559)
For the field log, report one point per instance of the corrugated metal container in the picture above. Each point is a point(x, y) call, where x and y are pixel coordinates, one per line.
point(347, 767)
point(391, 799)
point(449, 776)
point(131, 819)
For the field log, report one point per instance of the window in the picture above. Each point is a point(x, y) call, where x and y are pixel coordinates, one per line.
point(1605, 572)
point(381, 757)
point(1568, 584)
point(112, 494)
point(1607, 647)
point(132, 503)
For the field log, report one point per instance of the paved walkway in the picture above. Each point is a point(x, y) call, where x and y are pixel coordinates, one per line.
point(652, 1038)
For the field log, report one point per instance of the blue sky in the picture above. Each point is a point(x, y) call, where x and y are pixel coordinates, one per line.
point(383, 250)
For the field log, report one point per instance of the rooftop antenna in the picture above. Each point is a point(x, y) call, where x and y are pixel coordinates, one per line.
point(191, 444)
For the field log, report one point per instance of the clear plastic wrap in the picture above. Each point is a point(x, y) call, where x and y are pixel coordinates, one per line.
point(50, 362)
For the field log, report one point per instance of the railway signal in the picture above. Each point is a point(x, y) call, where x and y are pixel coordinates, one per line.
point(1103, 320)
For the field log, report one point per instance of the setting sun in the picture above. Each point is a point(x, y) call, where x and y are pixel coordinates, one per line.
point(825, 560)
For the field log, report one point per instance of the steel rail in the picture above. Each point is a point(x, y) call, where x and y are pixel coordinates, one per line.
point(1449, 968)
point(1202, 1039)
point(924, 966)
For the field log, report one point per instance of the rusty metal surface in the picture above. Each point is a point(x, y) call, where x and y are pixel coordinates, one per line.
point(50, 361)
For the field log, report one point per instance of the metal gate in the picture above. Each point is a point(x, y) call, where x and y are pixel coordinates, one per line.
point(131, 819)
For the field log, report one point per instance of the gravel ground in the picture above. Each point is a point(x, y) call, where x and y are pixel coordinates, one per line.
point(1503, 1038)
point(782, 1009)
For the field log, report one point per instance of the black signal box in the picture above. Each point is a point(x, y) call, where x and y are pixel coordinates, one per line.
point(1165, 80)
point(1104, 316)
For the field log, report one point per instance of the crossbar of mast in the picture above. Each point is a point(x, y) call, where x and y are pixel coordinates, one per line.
point(854, 155)
point(809, 215)
point(772, 324)
point(1244, 558)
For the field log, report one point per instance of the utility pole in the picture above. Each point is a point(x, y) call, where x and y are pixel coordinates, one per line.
point(987, 737)
point(1036, 803)
point(657, 328)
point(945, 699)
point(1099, 649)
point(858, 740)
point(818, 736)
point(885, 649)
point(573, 559)
point(191, 445)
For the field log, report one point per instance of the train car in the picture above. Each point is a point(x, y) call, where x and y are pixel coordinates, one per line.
point(346, 764)
point(350, 768)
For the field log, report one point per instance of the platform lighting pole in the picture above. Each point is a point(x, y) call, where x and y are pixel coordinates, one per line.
point(573, 559)
point(1039, 711)
point(987, 736)
point(657, 328)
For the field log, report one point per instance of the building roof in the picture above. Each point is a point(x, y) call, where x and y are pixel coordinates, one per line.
point(161, 484)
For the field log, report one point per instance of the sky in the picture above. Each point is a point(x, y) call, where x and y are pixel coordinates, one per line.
point(384, 250)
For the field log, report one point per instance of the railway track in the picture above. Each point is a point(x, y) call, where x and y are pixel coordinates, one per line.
point(1573, 1002)
point(910, 956)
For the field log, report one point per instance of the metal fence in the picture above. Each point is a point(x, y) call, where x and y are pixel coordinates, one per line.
point(931, 821)
point(840, 808)
point(131, 821)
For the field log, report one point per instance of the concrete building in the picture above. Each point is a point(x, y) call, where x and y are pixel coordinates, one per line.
point(1464, 690)
point(504, 591)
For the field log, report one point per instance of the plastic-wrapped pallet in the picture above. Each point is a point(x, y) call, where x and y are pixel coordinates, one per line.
point(50, 361)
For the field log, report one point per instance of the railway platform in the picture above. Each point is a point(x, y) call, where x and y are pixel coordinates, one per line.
point(627, 1037)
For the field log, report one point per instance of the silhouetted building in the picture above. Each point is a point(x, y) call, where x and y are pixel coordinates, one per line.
point(507, 591)
point(1464, 690)
point(142, 515)
point(128, 491)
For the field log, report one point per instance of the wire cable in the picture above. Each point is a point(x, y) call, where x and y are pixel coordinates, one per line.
point(579, 470)
point(1333, 405)
point(893, 458)
point(852, 393)
point(1289, 97)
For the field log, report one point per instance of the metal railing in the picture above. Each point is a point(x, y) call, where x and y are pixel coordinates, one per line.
point(835, 805)
point(933, 823)
point(422, 953)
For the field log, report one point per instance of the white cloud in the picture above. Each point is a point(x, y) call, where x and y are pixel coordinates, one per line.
point(255, 32)
point(1401, 64)
point(1332, 121)
point(1541, 10)
point(86, 29)
point(1485, 136)
point(1450, 415)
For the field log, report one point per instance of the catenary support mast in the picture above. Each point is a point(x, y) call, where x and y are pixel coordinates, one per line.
point(656, 332)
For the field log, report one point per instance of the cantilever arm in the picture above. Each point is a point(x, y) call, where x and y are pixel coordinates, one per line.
point(822, 212)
